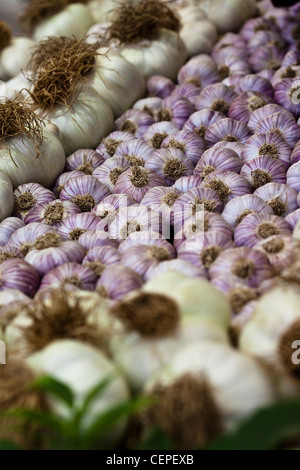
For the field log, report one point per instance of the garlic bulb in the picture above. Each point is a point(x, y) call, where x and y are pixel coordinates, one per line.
point(207, 388)
point(29, 152)
point(272, 334)
point(195, 43)
point(57, 18)
point(14, 52)
point(117, 81)
point(157, 324)
point(163, 56)
point(103, 10)
point(84, 124)
point(6, 196)
point(228, 15)
point(146, 34)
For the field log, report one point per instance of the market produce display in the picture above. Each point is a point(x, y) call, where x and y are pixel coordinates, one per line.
point(150, 214)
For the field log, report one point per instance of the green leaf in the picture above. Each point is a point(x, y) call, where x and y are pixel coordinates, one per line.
point(91, 396)
point(264, 430)
point(48, 420)
point(156, 440)
point(106, 421)
point(9, 445)
point(54, 387)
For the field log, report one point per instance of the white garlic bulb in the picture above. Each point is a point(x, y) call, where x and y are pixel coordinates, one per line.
point(15, 88)
point(162, 56)
point(15, 57)
point(6, 196)
point(228, 15)
point(213, 388)
point(273, 333)
point(103, 10)
point(82, 367)
point(23, 162)
point(157, 324)
point(74, 20)
point(118, 82)
point(198, 36)
point(84, 124)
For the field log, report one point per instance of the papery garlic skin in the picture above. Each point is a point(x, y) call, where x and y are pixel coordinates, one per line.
point(228, 15)
point(74, 20)
point(239, 386)
point(42, 167)
point(82, 367)
point(83, 125)
point(276, 314)
point(161, 56)
point(117, 81)
point(15, 57)
point(6, 196)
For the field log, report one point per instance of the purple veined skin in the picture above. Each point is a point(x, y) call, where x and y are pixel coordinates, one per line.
point(242, 264)
point(134, 121)
point(160, 86)
point(24, 237)
point(52, 213)
point(84, 191)
point(8, 227)
point(117, 281)
point(76, 224)
point(156, 133)
point(98, 257)
point(109, 144)
point(177, 265)
point(136, 181)
point(241, 206)
point(73, 275)
point(256, 227)
point(191, 144)
point(29, 195)
point(280, 197)
point(263, 170)
point(20, 275)
point(85, 160)
point(170, 164)
point(203, 249)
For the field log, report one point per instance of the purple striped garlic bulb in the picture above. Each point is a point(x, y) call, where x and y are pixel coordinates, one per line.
point(191, 144)
point(218, 159)
point(243, 105)
point(108, 208)
point(170, 164)
point(137, 180)
point(217, 97)
point(24, 237)
point(76, 224)
point(8, 227)
point(239, 207)
point(257, 227)
point(228, 130)
point(150, 105)
point(156, 134)
point(238, 293)
point(227, 184)
point(141, 258)
point(176, 110)
point(63, 179)
point(203, 249)
point(98, 257)
point(108, 146)
point(242, 264)
point(135, 219)
point(20, 275)
point(143, 238)
point(279, 250)
point(70, 276)
point(117, 281)
point(52, 213)
point(85, 160)
point(92, 238)
point(280, 197)
point(136, 152)
point(199, 121)
point(84, 191)
point(109, 172)
point(263, 170)
point(185, 183)
point(161, 199)
point(134, 121)
point(269, 144)
point(160, 86)
point(279, 123)
point(178, 265)
point(261, 113)
point(29, 195)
